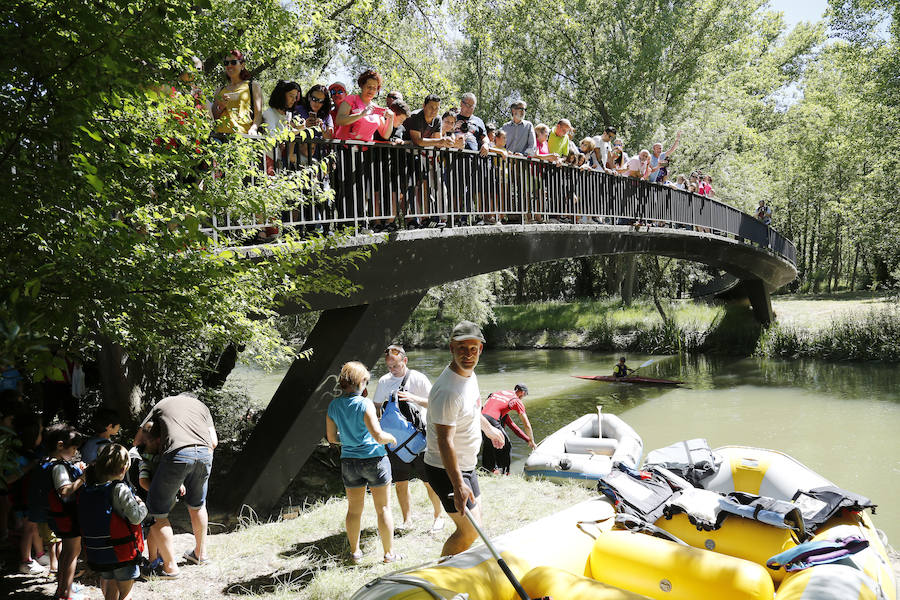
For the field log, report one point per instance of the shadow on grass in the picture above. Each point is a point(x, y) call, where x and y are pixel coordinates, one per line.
point(320, 554)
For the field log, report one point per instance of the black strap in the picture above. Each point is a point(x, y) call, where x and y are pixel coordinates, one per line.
point(402, 387)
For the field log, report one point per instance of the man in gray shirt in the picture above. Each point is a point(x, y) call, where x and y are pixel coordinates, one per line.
point(187, 440)
point(519, 132)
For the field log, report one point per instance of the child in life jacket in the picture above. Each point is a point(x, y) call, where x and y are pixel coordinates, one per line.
point(110, 515)
point(65, 479)
point(29, 452)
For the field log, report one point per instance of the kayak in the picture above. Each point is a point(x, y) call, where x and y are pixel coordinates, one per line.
point(632, 379)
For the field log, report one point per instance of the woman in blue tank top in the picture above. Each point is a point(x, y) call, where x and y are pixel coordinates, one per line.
point(351, 422)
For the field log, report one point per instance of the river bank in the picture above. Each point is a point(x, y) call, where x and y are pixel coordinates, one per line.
point(857, 326)
point(303, 555)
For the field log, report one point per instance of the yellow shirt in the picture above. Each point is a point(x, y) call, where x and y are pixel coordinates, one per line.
point(237, 116)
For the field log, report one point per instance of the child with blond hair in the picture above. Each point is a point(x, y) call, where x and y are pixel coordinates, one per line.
point(110, 516)
point(352, 423)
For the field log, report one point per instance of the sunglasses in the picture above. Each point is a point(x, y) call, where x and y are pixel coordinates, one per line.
point(318, 99)
point(394, 352)
point(335, 92)
point(232, 61)
point(392, 96)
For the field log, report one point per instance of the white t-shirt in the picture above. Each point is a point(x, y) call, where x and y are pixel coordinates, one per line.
point(455, 400)
point(275, 124)
point(604, 148)
point(417, 384)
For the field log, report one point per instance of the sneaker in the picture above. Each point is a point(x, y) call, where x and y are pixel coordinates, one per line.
point(365, 231)
point(553, 220)
point(356, 557)
point(393, 557)
point(479, 222)
point(43, 559)
point(192, 558)
point(390, 227)
point(32, 567)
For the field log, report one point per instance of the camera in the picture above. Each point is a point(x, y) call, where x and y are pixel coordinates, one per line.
point(463, 126)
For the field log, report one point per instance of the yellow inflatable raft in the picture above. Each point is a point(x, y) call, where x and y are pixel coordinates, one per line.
point(575, 554)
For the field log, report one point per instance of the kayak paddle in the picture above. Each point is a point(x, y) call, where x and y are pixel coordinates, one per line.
point(503, 566)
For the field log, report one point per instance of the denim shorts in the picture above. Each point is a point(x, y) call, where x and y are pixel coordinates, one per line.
point(189, 466)
point(122, 573)
point(359, 472)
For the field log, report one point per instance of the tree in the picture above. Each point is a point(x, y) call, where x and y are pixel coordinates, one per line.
point(112, 195)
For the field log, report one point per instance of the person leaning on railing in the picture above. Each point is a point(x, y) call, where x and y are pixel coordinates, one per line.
point(423, 128)
point(237, 105)
point(358, 118)
point(391, 173)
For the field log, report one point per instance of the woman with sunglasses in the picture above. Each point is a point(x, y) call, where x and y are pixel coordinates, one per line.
point(237, 105)
point(315, 110)
point(616, 160)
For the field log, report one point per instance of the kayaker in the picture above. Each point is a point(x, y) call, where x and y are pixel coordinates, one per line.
point(496, 410)
point(621, 370)
point(454, 426)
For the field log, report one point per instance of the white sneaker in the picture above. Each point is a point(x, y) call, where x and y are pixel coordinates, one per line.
point(30, 568)
point(43, 560)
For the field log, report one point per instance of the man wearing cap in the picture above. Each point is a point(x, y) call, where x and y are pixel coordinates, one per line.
point(496, 410)
point(454, 428)
point(411, 388)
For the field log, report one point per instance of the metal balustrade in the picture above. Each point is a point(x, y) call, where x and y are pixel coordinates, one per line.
point(366, 184)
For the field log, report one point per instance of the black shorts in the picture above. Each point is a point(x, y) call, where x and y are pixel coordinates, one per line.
point(440, 483)
point(401, 471)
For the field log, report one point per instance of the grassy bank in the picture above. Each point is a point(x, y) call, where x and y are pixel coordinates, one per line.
point(305, 557)
point(857, 326)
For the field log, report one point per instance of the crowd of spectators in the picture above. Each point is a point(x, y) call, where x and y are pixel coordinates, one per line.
point(413, 188)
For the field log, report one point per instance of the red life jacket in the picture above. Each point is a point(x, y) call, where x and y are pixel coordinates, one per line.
point(109, 540)
point(62, 516)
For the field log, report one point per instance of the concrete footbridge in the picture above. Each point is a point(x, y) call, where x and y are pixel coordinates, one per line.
point(544, 213)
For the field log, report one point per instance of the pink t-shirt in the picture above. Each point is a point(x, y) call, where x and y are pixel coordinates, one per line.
point(363, 129)
point(634, 164)
point(543, 148)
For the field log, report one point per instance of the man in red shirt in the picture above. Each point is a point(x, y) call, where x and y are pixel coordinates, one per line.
point(496, 410)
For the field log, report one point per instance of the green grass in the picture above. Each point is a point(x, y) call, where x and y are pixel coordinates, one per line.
point(588, 315)
point(872, 334)
point(305, 557)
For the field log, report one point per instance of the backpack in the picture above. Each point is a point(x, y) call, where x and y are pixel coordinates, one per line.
point(405, 425)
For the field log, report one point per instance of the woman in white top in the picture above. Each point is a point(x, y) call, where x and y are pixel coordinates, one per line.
point(277, 118)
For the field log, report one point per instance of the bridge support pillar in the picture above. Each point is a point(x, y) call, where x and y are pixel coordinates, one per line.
point(294, 422)
point(760, 300)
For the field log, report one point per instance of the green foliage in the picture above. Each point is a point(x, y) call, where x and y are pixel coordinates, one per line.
point(871, 335)
point(110, 183)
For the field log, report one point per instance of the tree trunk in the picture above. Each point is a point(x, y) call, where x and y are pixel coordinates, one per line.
point(855, 262)
point(120, 377)
point(520, 285)
point(628, 267)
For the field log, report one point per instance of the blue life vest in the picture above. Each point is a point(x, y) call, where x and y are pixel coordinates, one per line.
point(620, 371)
point(109, 540)
point(410, 441)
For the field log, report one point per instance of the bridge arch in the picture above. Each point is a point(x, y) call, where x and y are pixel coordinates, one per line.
point(605, 214)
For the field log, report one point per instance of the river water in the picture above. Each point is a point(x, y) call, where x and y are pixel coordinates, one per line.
point(841, 420)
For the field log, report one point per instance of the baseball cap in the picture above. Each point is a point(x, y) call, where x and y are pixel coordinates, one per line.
point(338, 85)
point(466, 330)
point(521, 386)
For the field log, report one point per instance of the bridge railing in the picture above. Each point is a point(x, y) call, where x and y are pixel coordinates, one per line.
point(369, 184)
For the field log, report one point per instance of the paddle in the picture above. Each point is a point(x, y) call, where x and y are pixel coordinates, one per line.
point(503, 566)
point(651, 361)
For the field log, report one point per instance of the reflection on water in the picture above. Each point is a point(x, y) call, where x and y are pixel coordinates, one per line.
point(841, 420)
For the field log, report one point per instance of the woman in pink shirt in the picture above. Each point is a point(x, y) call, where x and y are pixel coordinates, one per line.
point(358, 118)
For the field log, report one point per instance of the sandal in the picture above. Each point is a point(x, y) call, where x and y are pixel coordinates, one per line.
point(356, 557)
point(191, 557)
point(393, 557)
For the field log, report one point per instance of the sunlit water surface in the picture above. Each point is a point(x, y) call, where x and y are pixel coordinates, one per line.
point(841, 420)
